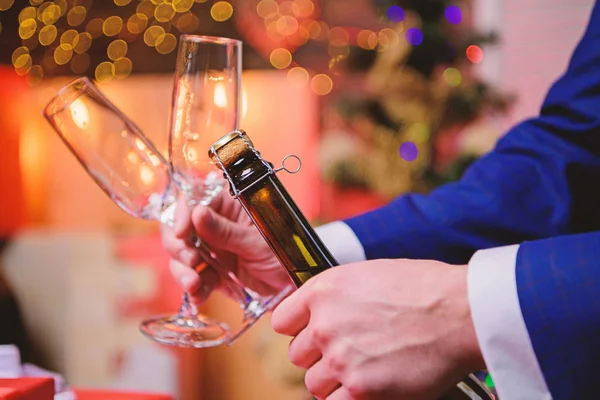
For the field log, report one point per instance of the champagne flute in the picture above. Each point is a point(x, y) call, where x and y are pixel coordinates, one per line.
point(129, 169)
point(206, 106)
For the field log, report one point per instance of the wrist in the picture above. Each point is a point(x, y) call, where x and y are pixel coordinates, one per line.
point(468, 353)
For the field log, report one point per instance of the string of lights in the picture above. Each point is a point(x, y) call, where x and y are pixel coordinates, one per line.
point(67, 29)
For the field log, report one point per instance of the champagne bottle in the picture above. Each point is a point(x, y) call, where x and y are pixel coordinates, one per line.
point(253, 182)
point(278, 218)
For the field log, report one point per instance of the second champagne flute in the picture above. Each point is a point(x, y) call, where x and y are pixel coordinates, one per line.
point(206, 106)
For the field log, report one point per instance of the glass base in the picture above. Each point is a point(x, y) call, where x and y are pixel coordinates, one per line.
point(256, 309)
point(196, 331)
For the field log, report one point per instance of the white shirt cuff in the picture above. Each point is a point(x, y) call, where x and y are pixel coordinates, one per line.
point(342, 242)
point(500, 327)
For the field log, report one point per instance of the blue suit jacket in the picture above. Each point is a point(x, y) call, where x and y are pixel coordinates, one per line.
point(542, 180)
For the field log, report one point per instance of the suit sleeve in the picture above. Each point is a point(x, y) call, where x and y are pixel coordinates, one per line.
point(558, 283)
point(538, 320)
point(534, 184)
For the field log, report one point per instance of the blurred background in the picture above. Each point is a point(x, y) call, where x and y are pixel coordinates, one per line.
point(377, 97)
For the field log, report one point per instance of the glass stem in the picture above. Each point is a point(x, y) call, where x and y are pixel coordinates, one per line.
point(187, 308)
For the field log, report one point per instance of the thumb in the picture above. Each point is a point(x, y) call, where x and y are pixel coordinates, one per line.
point(222, 233)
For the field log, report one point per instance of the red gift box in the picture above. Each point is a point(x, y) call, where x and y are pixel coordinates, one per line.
point(106, 395)
point(27, 389)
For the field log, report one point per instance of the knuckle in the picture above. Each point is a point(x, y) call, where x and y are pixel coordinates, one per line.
point(320, 336)
point(337, 358)
point(356, 384)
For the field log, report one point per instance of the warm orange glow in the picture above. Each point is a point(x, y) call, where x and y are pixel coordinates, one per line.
point(321, 84)
point(388, 38)
point(304, 8)
point(267, 8)
point(146, 175)
point(287, 25)
point(339, 36)
point(191, 154)
point(80, 114)
point(220, 95)
point(280, 58)
point(298, 76)
point(244, 102)
point(221, 11)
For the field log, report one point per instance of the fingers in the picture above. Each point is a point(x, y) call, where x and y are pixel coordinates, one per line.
point(179, 249)
point(340, 394)
point(319, 381)
point(182, 225)
point(292, 315)
point(302, 351)
point(198, 284)
point(222, 233)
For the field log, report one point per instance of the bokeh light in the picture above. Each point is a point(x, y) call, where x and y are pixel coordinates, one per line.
point(474, 54)
point(117, 49)
point(164, 12)
point(395, 14)
point(137, 23)
point(280, 58)
point(298, 76)
point(321, 84)
point(367, 39)
point(453, 14)
point(76, 16)
point(112, 25)
point(19, 51)
point(187, 22)
point(27, 28)
point(182, 6)
point(50, 15)
point(152, 34)
point(122, 68)
point(166, 43)
point(409, 151)
point(27, 13)
point(34, 75)
point(6, 4)
point(47, 35)
point(221, 11)
point(82, 43)
point(339, 36)
point(414, 36)
point(23, 63)
point(63, 53)
point(452, 76)
point(388, 38)
point(122, 2)
point(69, 37)
point(287, 25)
point(304, 8)
point(105, 71)
point(94, 27)
point(146, 8)
point(267, 8)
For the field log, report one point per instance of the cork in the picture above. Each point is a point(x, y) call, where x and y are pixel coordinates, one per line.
point(230, 148)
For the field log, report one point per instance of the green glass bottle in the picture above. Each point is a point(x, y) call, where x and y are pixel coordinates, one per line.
point(254, 183)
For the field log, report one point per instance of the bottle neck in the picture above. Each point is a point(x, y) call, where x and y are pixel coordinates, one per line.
point(278, 218)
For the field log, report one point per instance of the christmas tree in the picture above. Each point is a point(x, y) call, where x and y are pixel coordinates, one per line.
point(422, 93)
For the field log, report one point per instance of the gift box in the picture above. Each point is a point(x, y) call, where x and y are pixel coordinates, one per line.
point(106, 395)
point(27, 389)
